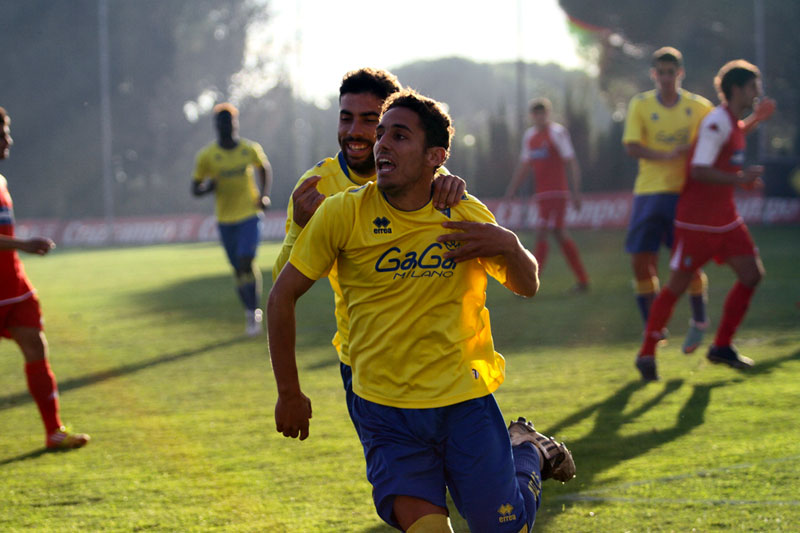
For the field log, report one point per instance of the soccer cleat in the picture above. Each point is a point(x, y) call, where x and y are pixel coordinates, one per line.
point(558, 463)
point(647, 367)
point(694, 336)
point(254, 318)
point(581, 287)
point(62, 439)
point(729, 356)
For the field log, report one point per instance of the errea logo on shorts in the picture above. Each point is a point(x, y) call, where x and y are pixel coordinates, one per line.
point(381, 225)
point(506, 512)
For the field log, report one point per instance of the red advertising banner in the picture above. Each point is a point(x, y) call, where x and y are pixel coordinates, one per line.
point(598, 210)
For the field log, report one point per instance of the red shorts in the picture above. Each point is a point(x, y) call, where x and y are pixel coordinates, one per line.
point(693, 249)
point(23, 314)
point(552, 212)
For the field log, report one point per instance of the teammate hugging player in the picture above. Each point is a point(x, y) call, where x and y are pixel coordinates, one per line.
point(423, 400)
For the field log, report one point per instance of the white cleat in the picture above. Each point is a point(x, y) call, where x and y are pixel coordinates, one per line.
point(254, 320)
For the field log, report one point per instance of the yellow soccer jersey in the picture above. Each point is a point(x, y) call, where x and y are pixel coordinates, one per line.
point(419, 333)
point(232, 172)
point(652, 125)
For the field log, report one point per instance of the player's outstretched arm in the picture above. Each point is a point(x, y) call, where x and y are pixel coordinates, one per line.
point(479, 239)
point(35, 245)
point(447, 190)
point(749, 177)
point(293, 408)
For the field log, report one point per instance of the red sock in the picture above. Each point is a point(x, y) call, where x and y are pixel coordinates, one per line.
point(574, 259)
point(42, 386)
point(541, 253)
point(660, 312)
point(733, 311)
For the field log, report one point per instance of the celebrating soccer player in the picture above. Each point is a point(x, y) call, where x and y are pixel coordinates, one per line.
point(21, 316)
point(361, 96)
point(707, 225)
point(413, 279)
point(225, 167)
point(547, 150)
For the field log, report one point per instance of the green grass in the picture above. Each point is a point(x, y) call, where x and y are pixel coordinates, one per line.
point(148, 348)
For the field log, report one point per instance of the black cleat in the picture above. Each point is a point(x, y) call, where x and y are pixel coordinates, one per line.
point(729, 356)
point(647, 367)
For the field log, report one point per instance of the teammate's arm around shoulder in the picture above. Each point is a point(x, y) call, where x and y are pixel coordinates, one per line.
point(487, 239)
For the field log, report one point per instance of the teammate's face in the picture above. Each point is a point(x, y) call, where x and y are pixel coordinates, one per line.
point(358, 118)
point(667, 76)
point(400, 153)
point(5, 141)
point(226, 125)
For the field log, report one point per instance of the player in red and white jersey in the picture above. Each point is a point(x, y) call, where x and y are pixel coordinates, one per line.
point(547, 150)
point(20, 315)
point(707, 225)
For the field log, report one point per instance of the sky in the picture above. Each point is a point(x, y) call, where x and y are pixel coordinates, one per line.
point(319, 40)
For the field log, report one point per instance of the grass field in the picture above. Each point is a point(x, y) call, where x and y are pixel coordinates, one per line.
point(148, 347)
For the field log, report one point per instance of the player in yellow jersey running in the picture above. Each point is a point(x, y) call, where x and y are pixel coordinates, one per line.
point(413, 279)
point(361, 96)
point(226, 168)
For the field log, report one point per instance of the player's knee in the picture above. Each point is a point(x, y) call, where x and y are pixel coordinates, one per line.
point(699, 283)
point(752, 278)
point(431, 523)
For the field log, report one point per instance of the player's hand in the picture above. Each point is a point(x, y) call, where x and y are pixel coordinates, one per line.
point(679, 151)
point(477, 239)
point(37, 245)
point(764, 109)
point(305, 200)
point(751, 178)
point(447, 190)
point(577, 201)
point(292, 414)
point(264, 203)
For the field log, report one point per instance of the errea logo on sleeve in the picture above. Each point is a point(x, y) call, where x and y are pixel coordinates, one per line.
point(381, 225)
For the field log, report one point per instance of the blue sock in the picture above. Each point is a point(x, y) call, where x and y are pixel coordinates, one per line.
point(529, 478)
point(645, 301)
point(698, 304)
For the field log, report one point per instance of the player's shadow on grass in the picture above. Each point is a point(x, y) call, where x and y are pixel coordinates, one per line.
point(604, 447)
point(12, 400)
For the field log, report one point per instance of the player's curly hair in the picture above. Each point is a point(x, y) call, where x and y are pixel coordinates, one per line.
point(226, 107)
point(734, 73)
point(435, 120)
point(668, 54)
point(381, 83)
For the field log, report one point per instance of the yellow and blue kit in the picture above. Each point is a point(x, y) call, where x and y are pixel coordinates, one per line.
point(658, 127)
point(422, 356)
point(231, 170)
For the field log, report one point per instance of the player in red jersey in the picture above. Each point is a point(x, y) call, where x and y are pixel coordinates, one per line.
point(20, 315)
point(547, 150)
point(707, 225)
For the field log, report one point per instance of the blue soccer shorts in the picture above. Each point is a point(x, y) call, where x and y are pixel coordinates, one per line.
point(240, 239)
point(651, 222)
point(463, 447)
